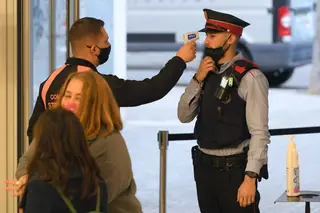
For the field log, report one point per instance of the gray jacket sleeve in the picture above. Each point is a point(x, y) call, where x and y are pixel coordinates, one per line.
point(24, 161)
point(188, 104)
point(254, 90)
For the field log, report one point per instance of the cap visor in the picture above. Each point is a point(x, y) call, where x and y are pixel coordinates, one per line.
point(203, 30)
point(207, 30)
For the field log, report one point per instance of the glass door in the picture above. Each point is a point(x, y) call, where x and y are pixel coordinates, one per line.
point(50, 20)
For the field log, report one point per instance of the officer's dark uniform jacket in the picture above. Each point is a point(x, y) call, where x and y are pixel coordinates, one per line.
point(127, 92)
point(222, 124)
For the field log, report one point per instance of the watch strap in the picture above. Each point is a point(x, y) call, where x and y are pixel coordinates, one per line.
point(251, 174)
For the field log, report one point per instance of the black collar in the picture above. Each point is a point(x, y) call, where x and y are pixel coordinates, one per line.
point(82, 62)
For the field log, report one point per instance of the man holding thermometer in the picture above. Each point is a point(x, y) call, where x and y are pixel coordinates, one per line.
point(229, 96)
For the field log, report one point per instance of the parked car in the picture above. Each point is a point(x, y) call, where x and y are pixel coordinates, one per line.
point(279, 39)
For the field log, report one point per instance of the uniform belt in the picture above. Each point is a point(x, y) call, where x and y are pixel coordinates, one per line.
point(223, 162)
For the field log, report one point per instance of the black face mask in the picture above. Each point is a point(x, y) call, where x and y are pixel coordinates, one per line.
point(216, 53)
point(104, 54)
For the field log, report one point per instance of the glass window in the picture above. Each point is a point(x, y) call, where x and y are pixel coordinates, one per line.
point(40, 40)
point(60, 36)
point(39, 43)
point(103, 10)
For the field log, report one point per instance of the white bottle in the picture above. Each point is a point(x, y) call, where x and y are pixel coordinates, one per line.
point(293, 178)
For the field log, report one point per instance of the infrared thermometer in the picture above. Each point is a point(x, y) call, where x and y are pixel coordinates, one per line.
point(191, 36)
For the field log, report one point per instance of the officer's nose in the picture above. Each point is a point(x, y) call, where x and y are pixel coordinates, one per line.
point(206, 42)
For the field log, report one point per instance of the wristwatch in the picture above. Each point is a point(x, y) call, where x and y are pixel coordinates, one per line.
point(251, 174)
point(195, 78)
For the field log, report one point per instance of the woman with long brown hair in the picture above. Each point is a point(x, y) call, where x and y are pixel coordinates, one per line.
point(62, 167)
point(88, 96)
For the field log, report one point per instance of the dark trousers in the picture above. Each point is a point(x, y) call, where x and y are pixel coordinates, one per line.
point(217, 188)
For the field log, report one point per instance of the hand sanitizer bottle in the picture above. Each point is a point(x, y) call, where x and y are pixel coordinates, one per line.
point(293, 178)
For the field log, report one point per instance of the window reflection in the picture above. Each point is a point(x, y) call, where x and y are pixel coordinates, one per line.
point(101, 9)
point(60, 32)
point(41, 40)
point(40, 43)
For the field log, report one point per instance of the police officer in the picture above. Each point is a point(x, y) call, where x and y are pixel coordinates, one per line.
point(229, 96)
point(91, 48)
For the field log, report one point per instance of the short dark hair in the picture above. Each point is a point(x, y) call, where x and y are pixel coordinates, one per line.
point(61, 148)
point(85, 27)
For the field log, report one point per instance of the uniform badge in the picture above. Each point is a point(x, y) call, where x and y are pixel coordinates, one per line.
point(230, 81)
point(224, 82)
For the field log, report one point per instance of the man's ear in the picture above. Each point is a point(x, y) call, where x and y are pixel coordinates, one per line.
point(95, 49)
point(233, 39)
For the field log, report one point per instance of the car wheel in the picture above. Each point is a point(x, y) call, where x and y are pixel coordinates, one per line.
point(278, 77)
point(245, 53)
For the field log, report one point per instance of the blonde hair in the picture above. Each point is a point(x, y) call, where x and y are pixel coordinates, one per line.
point(98, 107)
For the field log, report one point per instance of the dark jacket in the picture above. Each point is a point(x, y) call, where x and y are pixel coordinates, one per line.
point(128, 93)
point(41, 197)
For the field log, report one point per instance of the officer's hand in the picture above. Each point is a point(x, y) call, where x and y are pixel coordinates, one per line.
point(188, 51)
point(206, 65)
point(247, 192)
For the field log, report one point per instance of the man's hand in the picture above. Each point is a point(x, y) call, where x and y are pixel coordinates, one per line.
point(206, 65)
point(188, 51)
point(17, 186)
point(247, 191)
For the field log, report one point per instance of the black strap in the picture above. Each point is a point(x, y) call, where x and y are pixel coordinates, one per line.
point(240, 68)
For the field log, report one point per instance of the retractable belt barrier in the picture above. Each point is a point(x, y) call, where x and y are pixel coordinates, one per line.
point(164, 137)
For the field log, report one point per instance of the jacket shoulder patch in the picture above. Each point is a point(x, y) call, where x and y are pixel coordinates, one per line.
point(243, 65)
point(239, 69)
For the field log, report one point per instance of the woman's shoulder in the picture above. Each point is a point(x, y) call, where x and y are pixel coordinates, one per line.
point(114, 136)
point(109, 147)
point(40, 185)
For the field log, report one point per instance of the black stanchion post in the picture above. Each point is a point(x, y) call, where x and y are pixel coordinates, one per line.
point(307, 208)
point(163, 145)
